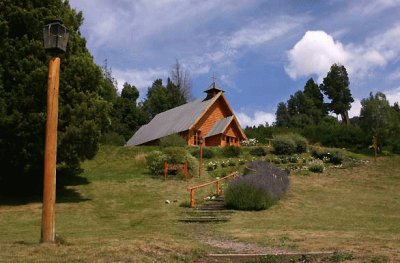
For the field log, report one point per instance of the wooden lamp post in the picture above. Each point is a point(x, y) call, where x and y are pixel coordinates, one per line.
point(55, 37)
point(201, 154)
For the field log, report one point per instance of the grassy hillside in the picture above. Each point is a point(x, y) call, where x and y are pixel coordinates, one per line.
point(118, 213)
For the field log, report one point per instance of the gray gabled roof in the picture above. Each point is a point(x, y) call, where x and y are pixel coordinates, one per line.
point(220, 126)
point(172, 121)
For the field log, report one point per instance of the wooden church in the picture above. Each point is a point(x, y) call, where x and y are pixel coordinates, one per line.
point(211, 119)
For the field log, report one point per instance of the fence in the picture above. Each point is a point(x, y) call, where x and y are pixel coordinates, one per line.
point(177, 167)
point(217, 184)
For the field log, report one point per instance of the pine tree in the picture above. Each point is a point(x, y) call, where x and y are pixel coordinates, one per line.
point(84, 99)
point(336, 86)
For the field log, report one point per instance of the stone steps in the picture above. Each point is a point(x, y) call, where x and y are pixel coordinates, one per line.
point(212, 211)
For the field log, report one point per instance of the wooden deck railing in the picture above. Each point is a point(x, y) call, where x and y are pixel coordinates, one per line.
point(216, 182)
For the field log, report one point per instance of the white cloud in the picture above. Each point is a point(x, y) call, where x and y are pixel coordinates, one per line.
point(142, 79)
point(314, 54)
point(317, 51)
point(259, 117)
point(224, 49)
point(355, 108)
point(258, 32)
point(373, 7)
point(393, 95)
point(116, 23)
point(195, 32)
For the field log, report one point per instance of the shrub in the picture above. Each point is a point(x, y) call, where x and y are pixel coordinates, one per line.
point(207, 153)
point(289, 144)
point(300, 141)
point(316, 168)
point(337, 135)
point(112, 138)
point(258, 190)
point(193, 165)
point(284, 144)
point(173, 140)
point(336, 158)
point(155, 162)
point(327, 155)
point(245, 196)
point(224, 163)
point(179, 155)
point(294, 158)
point(258, 151)
point(249, 142)
point(276, 160)
point(231, 162)
point(176, 155)
point(284, 160)
point(395, 146)
point(241, 161)
point(211, 166)
point(231, 151)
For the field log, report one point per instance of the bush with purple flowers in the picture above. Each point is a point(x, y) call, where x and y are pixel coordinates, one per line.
point(258, 190)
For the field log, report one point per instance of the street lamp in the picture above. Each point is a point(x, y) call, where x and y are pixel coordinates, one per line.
point(55, 37)
point(201, 154)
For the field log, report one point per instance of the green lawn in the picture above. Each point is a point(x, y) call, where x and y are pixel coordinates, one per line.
point(121, 215)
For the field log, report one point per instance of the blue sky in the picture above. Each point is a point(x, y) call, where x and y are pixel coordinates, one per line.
point(260, 51)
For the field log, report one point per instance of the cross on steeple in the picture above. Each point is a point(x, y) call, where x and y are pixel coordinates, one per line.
point(213, 89)
point(213, 77)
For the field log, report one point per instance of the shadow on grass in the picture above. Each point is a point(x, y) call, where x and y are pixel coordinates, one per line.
point(29, 189)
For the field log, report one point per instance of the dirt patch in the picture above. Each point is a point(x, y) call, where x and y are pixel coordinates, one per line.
point(233, 246)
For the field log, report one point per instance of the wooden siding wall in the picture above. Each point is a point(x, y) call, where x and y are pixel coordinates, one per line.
point(231, 132)
point(214, 140)
point(216, 112)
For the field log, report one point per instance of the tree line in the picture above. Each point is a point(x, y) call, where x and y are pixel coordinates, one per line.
point(90, 108)
point(308, 113)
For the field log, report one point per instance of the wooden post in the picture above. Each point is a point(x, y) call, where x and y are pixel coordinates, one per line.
point(191, 198)
point(201, 157)
point(50, 153)
point(165, 170)
point(218, 188)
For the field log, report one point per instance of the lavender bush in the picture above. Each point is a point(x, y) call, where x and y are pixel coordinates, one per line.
point(257, 190)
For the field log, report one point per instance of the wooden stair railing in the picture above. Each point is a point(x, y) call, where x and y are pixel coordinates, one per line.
point(217, 184)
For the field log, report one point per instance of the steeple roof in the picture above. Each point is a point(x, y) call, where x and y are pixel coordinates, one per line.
point(213, 88)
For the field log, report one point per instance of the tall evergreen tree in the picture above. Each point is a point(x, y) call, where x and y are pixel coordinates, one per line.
point(336, 86)
point(316, 108)
point(84, 104)
point(160, 98)
point(127, 116)
point(303, 108)
point(282, 115)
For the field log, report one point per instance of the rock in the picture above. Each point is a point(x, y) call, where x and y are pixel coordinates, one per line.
point(167, 201)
